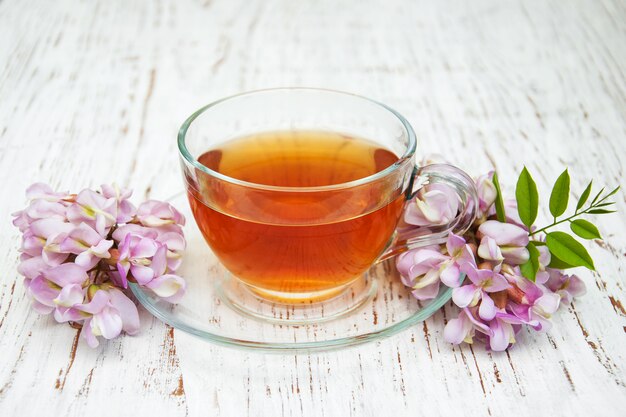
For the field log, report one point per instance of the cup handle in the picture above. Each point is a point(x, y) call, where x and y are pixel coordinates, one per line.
point(409, 236)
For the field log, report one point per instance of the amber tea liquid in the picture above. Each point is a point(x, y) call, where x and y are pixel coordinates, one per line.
point(297, 245)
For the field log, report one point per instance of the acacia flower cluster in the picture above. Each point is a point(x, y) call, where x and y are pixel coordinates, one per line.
point(80, 251)
point(505, 272)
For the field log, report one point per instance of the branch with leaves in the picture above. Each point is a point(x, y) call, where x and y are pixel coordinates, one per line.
point(566, 252)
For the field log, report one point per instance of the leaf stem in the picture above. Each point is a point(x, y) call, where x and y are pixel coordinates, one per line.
point(576, 214)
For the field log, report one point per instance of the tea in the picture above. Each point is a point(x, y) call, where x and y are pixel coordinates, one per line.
point(297, 243)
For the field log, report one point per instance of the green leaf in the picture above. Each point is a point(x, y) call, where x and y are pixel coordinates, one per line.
point(568, 249)
point(597, 196)
point(530, 268)
point(527, 198)
point(611, 193)
point(500, 214)
point(604, 204)
point(584, 196)
point(585, 229)
point(560, 195)
point(601, 211)
point(557, 263)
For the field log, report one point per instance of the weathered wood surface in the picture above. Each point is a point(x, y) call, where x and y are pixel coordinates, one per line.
point(95, 91)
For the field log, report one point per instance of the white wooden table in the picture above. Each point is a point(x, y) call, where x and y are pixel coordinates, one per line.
point(94, 92)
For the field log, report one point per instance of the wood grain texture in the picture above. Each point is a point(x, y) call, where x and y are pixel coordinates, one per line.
point(94, 92)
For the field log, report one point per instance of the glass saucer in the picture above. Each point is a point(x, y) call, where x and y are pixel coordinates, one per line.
point(218, 309)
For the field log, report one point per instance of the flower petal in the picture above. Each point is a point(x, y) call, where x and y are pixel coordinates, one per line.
point(70, 295)
point(127, 311)
point(167, 286)
point(97, 304)
point(65, 274)
point(88, 335)
point(32, 267)
point(142, 274)
point(501, 335)
point(504, 233)
point(43, 292)
point(467, 295)
point(489, 250)
point(426, 293)
point(451, 275)
point(487, 310)
point(108, 322)
point(458, 329)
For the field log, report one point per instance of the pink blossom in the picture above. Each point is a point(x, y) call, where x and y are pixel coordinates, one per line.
point(420, 269)
point(125, 209)
point(94, 209)
point(460, 254)
point(483, 281)
point(435, 204)
point(107, 314)
point(45, 288)
point(65, 237)
point(464, 327)
point(544, 260)
point(489, 250)
point(136, 229)
point(502, 331)
point(167, 286)
point(486, 192)
point(158, 213)
point(511, 240)
point(175, 244)
point(136, 255)
point(89, 245)
point(31, 266)
point(36, 235)
point(566, 286)
point(537, 304)
point(423, 268)
point(41, 191)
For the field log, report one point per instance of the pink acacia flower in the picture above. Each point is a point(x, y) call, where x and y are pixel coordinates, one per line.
point(459, 254)
point(93, 209)
point(420, 270)
point(39, 231)
point(499, 332)
point(423, 268)
point(137, 255)
point(483, 281)
point(169, 287)
point(486, 191)
point(107, 313)
point(566, 286)
point(158, 213)
point(170, 235)
point(89, 245)
point(76, 248)
point(510, 239)
point(46, 288)
point(464, 327)
point(536, 306)
point(502, 331)
point(544, 261)
point(435, 204)
point(125, 209)
point(41, 191)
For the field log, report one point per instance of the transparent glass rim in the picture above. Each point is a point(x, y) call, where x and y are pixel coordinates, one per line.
point(404, 159)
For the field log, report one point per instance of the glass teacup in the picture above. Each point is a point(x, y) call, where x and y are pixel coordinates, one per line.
point(300, 191)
